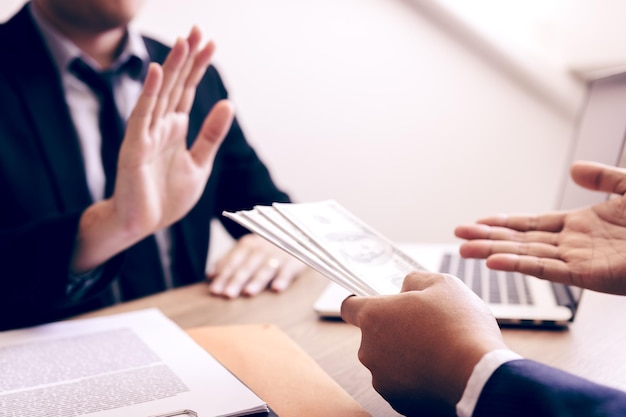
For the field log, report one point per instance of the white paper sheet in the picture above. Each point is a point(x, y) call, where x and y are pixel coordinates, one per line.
point(130, 364)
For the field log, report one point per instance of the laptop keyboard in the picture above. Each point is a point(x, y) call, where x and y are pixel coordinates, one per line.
point(495, 287)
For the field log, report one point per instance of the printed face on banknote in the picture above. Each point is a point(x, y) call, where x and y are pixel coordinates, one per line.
point(361, 248)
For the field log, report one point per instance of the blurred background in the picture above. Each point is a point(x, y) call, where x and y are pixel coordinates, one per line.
point(417, 115)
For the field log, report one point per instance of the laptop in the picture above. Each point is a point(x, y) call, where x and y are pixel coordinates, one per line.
point(516, 299)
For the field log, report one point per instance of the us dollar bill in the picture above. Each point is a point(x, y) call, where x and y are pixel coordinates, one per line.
point(270, 225)
point(375, 259)
point(333, 241)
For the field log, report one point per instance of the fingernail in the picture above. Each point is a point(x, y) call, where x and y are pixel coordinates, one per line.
point(216, 289)
point(253, 289)
point(231, 292)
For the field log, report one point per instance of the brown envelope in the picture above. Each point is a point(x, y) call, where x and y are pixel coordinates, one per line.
point(277, 370)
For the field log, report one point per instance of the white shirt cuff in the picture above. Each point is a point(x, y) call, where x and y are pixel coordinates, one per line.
point(479, 377)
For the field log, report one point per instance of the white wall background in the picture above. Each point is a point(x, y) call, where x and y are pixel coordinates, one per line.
point(582, 35)
point(372, 103)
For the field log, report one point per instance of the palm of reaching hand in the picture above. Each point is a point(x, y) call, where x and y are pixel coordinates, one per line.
point(159, 179)
point(584, 247)
point(592, 247)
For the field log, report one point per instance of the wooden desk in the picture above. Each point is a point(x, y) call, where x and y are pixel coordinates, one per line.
point(592, 347)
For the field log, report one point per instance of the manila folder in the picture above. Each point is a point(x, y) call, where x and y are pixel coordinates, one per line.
point(277, 370)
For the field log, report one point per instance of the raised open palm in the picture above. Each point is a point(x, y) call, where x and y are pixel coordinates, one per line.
point(159, 179)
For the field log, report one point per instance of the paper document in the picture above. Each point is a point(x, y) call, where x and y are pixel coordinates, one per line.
point(330, 239)
point(136, 364)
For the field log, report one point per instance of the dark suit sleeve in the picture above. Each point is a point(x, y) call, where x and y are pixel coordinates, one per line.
point(36, 238)
point(43, 191)
point(527, 388)
point(35, 272)
point(32, 255)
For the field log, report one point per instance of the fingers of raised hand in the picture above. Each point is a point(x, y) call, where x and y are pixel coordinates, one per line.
point(172, 68)
point(183, 69)
point(196, 69)
point(178, 81)
point(184, 87)
point(141, 117)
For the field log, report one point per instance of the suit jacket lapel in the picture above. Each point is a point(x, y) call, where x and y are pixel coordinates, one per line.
point(38, 81)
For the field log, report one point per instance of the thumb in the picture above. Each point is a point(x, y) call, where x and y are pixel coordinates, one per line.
point(213, 131)
point(599, 177)
point(350, 308)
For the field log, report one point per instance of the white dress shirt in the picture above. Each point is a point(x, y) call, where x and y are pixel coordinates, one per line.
point(479, 377)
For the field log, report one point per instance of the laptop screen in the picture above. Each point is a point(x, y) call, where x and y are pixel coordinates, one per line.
point(599, 136)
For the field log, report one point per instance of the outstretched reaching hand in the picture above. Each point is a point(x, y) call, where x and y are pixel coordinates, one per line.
point(158, 179)
point(584, 247)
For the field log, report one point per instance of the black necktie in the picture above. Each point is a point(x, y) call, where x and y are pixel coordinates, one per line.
point(141, 272)
point(111, 123)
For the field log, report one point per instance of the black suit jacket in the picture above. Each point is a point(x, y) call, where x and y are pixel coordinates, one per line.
point(524, 388)
point(43, 188)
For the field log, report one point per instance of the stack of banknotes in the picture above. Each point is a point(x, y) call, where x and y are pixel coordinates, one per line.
point(333, 241)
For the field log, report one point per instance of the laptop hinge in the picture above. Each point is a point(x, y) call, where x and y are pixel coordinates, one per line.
point(564, 296)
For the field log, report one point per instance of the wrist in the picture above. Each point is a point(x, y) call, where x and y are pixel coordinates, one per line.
point(101, 235)
point(469, 354)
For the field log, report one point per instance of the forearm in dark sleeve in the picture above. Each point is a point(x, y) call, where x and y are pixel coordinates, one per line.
point(35, 270)
point(527, 388)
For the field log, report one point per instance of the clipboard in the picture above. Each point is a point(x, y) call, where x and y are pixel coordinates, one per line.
point(191, 413)
point(179, 413)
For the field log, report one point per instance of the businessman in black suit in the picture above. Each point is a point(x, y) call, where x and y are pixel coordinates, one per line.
point(436, 349)
point(53, 171)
